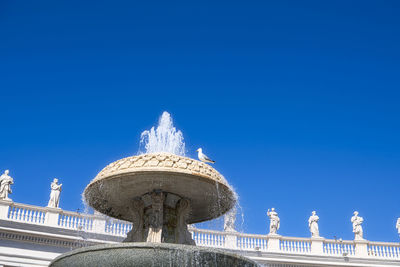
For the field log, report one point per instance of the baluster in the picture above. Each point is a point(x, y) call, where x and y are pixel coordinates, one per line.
point(23, 212)
point(27, 215)
point(374, 251)
point(69, 221)
point(15, 213)
point(30, 215)
point(36, 217)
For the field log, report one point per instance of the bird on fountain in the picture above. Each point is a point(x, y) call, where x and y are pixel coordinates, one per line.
point(203, 157)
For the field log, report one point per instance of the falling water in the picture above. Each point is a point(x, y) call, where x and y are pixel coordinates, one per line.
point(164, 138)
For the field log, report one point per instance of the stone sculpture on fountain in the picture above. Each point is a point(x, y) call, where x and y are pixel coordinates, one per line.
point(313, 224)
point(274, 221)
point(398, 225)
point(357, 228)
point(54, 194)
point(5, 185)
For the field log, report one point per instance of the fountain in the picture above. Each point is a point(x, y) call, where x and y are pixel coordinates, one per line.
point(160, 192)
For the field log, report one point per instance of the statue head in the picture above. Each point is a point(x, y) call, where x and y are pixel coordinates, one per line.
point(313, 212)
point(199, 150)
point(55, 180)
point(355, 213)
point(6, 172)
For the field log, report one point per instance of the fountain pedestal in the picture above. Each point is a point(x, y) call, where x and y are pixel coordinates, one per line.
point(160, 217)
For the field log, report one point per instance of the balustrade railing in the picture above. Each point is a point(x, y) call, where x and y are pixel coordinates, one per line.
point(26, 213)
point(76, 221)
point(208, 238)
point(384, 250)
point(251, 242)
point(295, 245)
point(338, 247)
point(117, 227)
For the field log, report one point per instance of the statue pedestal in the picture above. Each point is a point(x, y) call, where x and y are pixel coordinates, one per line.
point(273, 242)
point(317, 245)
point(4, 208)
point(231, 239)
point(361, 248)
point(52, 216)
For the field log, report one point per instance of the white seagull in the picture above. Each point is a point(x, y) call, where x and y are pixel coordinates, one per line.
point(203, 157)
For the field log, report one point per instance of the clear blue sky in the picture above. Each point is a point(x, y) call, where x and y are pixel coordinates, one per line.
point(297, 101)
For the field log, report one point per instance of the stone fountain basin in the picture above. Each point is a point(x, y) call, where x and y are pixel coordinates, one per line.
point(115, 187)
point(149, 254)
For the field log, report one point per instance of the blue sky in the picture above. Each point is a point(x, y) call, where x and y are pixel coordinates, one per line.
point(298, 102)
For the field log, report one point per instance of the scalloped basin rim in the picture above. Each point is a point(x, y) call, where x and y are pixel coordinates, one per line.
point(114, 188)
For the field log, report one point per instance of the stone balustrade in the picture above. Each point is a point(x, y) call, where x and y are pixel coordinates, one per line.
point(230, 240)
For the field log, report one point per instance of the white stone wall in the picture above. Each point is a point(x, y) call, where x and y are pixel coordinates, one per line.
point(33, 236)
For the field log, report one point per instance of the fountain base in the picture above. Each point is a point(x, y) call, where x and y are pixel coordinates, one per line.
point(149, 254)
point(160, 217)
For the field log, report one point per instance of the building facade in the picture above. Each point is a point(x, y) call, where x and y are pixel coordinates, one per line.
point(34, 236)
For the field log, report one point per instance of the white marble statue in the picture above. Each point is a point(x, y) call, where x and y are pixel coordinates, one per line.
point(274, 221)
point(55, 194)
point(5, 185)
point(313, 224)
point(357, 228)
point(229, 221)
point(398, 225)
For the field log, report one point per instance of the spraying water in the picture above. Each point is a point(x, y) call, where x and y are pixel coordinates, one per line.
point(164, 138)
